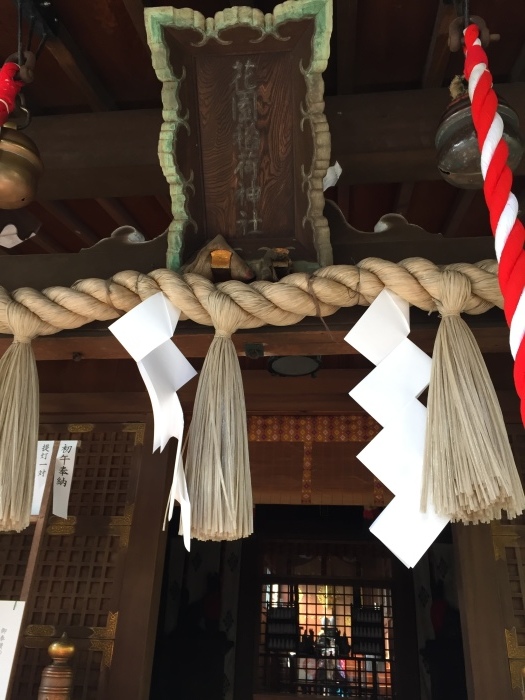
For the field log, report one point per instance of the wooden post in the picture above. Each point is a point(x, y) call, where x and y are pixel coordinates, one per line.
point(483, 619)
point(57, 679)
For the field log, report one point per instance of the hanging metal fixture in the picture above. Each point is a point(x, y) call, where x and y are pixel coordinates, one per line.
point(458, 157)
point(294, 365)
point(457, 147)
point(20, 162)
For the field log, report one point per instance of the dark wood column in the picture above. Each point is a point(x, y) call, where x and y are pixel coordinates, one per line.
point(482, 614)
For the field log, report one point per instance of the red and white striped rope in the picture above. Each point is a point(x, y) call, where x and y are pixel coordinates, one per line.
point(9, 89)
point(509, 233)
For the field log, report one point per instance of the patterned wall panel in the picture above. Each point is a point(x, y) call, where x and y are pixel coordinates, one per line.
point(312, 460)
point(81, 561)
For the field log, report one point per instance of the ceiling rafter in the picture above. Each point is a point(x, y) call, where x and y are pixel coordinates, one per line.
point(47, 243)
point(76, 66)
point(343, 200)
point(135, 10)
point(165, 205)
point(404, 197)
point(462, 203)
point(117, 212)
point(71, 221)
point(346, 27)
point(438, 53)
point(518, 69)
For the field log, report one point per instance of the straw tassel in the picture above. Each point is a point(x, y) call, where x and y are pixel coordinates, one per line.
point(217, 461)
point(19, 418)
point(469, 469)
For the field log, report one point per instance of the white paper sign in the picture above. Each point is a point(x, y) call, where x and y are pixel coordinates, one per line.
point(10, 621)
point(146, 333)
point(64, 466)
point(43, 462)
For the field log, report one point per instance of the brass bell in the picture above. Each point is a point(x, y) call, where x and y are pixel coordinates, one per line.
point(20, 168)
point(458, 155)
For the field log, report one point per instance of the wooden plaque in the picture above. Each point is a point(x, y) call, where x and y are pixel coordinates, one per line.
point(245, 142)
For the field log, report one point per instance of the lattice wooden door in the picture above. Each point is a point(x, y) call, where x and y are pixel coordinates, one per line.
point(92, 569)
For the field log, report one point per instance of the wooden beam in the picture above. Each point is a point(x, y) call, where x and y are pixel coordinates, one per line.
point(376, 137)
point(438, 53)
point(265, 395)
point(308, 336)
point(112, 255)
point(105, 154)
point(389, 137)
point(109, 256)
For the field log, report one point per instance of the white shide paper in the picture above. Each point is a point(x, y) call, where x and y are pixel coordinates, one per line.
point(389, 394)
point(146, 332)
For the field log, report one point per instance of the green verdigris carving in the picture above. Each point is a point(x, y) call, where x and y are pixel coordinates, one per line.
point(159, 18)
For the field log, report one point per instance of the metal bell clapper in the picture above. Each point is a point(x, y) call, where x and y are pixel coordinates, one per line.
point(20, 164)
point(458, 156)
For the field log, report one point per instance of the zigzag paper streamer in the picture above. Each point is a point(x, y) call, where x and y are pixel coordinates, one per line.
point(389, 393)
point(146, 333)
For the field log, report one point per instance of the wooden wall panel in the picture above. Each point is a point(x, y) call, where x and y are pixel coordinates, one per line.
point(14, 554)
point(86, 563)
point(339, 478)
point(81, 562)
point(277, 472)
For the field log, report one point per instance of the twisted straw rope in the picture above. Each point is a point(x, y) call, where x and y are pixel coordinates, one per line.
point(282, 303)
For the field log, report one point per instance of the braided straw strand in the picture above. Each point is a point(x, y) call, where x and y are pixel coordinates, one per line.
point(280, 303)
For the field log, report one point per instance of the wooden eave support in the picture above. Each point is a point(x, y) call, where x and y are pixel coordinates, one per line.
point(96, 342)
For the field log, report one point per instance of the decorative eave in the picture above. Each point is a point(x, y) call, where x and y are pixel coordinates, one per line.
point(176, 116)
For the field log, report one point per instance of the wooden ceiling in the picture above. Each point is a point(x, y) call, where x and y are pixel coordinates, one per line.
point(96, 114)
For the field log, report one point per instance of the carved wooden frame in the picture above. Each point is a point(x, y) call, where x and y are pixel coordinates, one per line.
point(177, 119)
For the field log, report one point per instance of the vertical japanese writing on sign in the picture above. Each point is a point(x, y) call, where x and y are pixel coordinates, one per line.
point(10, 621)
point(64, 466)
point(43, 462)
point(247, 141)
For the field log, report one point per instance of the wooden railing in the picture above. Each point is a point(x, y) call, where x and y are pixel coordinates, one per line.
point(57, 678)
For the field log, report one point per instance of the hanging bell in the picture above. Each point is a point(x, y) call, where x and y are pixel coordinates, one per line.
point(20, 168)
point(458, 156)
